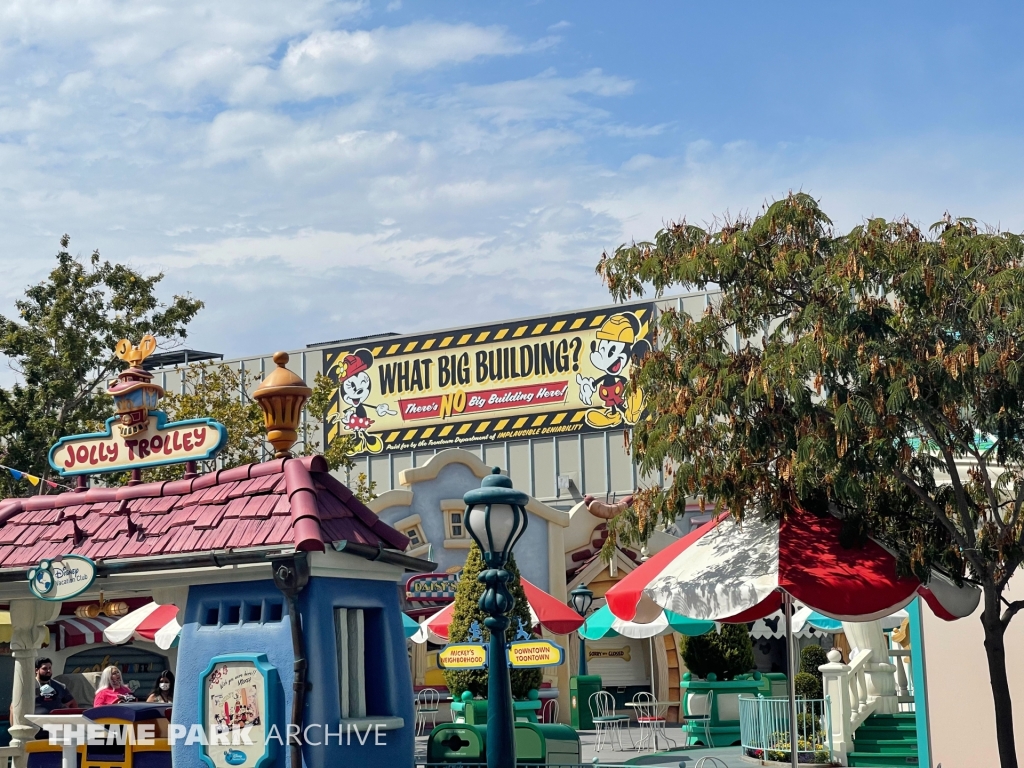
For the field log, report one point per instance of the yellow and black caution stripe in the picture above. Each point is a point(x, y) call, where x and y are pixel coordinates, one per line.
point(513, 330)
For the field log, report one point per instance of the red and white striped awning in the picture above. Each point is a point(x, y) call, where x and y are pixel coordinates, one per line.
point(152, 622)
point(545, 610)
point(71, 631)
point(732, 572)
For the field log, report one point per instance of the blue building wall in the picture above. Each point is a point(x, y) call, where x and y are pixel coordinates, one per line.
point(452, 482)
point(388, 688)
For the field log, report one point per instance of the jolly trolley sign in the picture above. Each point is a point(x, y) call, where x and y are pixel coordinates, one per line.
point(137, 436)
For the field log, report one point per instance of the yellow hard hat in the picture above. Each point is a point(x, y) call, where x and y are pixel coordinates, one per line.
point(617, 328)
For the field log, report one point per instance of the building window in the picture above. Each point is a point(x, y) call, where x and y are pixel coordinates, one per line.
point(415, 536)
point(455, 533)
point(412, 528)
point(350, 630)
point(455, 527)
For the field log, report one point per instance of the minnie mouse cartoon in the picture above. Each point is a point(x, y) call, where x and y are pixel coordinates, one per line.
point(618, 341)
point(354, 386)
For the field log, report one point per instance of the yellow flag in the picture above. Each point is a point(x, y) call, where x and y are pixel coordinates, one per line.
point(32, 479)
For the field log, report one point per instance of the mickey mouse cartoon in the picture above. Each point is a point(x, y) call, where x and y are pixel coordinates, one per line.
point(354, 387)
point(618, 341)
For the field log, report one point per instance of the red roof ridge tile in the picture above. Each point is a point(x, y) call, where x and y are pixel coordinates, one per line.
point(366, 515)
point(304, 512)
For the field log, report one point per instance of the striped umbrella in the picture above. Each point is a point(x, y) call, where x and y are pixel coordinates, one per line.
point(152, 622)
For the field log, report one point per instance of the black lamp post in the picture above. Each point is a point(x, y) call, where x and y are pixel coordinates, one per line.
point(581, 599)
point(496, 519)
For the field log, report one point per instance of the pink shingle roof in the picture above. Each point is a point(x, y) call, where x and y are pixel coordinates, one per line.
point(285, 502)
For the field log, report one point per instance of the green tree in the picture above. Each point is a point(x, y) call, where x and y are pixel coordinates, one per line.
point(62, 347)
point(467, 611)
point(883, 382)
point(725, 653)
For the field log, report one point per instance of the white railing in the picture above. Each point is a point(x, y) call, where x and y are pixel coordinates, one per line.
point(846, 688)
point(765, 729)
point(861, 705)
point(904, 678)
point(9, 756)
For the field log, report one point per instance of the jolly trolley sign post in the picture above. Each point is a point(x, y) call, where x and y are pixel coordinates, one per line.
point(138, 436)
point(135, 438)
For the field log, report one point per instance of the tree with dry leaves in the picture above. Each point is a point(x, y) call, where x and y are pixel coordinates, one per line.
point(881, 381)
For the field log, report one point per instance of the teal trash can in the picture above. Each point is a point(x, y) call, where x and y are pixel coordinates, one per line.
point(581, 688)
point(562, 744)
point(457, 743)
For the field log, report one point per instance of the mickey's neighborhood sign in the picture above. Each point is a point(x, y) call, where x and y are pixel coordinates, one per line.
point(63, 578)
point(158, 444)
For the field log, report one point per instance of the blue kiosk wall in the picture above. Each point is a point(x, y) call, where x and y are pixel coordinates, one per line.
point(253, 617)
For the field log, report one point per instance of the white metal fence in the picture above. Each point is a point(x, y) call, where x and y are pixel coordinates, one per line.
point(765, 732)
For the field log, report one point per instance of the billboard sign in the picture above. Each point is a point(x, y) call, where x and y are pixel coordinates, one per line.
point(556, 375)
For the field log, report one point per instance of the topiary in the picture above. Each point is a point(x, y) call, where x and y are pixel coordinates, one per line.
point(725, 654)
point(812, 657)
point(807, 686)
point(467, 610)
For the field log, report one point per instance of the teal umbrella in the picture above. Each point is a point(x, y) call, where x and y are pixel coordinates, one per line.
point(603, 623)
point(410, 626)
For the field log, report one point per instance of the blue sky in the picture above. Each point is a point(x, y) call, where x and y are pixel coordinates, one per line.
point(318, 169)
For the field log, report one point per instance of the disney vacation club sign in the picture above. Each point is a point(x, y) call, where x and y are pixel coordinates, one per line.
point(63, 578)
point(562, 374)
point(158, 443)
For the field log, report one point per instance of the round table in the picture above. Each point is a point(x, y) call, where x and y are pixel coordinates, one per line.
point(659, 708)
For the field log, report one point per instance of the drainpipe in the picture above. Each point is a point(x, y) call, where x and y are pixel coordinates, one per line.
point(291, 574)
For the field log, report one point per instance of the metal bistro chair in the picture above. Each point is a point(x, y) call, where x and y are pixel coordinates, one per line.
point(549, 712)
point(703, 701)
point(650, 716)
point(428, 702)
point(602, 710)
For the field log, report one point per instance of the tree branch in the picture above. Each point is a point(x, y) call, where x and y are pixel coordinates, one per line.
point(1011, 610)
point(940, 515)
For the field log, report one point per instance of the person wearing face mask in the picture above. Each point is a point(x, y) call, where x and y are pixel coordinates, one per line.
point(112, 689)
point(163, 691)
point(50, 694)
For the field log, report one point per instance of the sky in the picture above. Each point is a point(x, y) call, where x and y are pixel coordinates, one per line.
point(318, 170)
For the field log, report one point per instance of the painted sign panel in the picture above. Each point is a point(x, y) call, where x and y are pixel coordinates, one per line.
point(160, 443)
point(238, 692)
point(462, 656)
point(535, 653)
point(432, 586)
point(63, 578)
point(562, 374)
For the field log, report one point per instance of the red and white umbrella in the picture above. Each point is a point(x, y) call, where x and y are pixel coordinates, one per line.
point(153, 622)
point(545, 610)
point(737, 572)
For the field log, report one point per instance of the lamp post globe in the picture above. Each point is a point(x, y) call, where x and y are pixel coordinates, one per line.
point(496, 519)
point(581, 599)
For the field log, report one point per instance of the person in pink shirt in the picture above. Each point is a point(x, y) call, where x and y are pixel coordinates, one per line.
point(112, 689)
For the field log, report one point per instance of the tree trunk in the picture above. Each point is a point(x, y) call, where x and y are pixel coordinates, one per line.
point(996, 652)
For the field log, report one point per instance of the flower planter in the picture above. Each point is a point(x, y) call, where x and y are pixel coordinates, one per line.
point(720, 726)
point(474, 711)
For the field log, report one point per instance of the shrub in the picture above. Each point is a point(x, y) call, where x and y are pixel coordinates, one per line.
point(726, 654)
point(467, 610)
point(807, 686)
point(812, 657)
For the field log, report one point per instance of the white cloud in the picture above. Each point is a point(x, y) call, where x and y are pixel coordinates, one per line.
point(375, 177)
